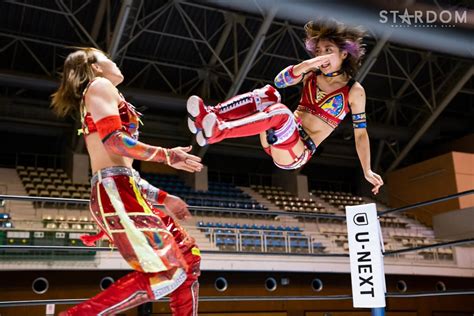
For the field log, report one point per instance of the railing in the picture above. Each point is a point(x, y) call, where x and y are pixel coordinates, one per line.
point(288, 247)
point(342, 297)
point(426, 203)
point(262, 241)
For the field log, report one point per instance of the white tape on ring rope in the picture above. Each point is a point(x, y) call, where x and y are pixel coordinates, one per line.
point(367, 274)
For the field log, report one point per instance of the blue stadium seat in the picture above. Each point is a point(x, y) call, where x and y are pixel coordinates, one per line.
point(6, 224)
point(220, 194)
point(247, 242)
point(250, 232)
point(274, 233)
point(278, 242)
point(4, 216)
point(229, 241)
point(303, 243)
point(318, 245)
point(295, 234)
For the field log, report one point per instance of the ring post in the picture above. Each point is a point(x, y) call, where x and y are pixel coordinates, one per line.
point(366, 259)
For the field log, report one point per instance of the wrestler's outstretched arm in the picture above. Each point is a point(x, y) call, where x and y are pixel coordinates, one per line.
point(172, 203)
point(102, 99)
point(359, 122)
point(293, 74)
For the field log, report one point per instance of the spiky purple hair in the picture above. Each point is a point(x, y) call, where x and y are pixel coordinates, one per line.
point(353, 48)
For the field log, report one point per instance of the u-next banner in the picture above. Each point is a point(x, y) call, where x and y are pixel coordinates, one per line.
point(365, 249)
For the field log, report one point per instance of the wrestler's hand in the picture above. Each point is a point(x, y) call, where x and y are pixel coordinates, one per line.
point(180, 159)
point(374, 179)
point(322, 60)
point(177, 207)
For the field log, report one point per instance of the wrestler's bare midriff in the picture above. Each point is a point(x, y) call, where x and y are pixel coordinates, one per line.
point(316, 128)
point(101, 158)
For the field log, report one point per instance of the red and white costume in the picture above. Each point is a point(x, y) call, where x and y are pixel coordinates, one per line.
point(261, 111)
point(165, 258)
point(332, 107)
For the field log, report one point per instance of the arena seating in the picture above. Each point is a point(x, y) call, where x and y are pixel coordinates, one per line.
point(288, 202)
point(220, 194)
point(251, 233)
point(49, 182)
point(337, 198)
point(5, 220)
point(59, 231)
point(258, 238)
point(62, 222)
point(43, 238)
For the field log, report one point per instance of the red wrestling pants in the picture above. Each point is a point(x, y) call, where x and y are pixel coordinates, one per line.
point(235, 108)
point(184, 300)
point(143, 238)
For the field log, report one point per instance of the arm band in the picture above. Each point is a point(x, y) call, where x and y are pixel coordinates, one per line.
point(286, 78)
point(108, 125)
point(359, 120)
point(118, 142)
point(152, 194)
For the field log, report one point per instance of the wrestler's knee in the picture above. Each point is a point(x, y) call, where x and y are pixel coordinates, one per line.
point(266, 97)
point(280, 107)
point(287, 131)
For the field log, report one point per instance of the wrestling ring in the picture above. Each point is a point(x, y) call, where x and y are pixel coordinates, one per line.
point(365, 247)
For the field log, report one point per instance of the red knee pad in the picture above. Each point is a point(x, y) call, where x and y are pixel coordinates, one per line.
point(286, 129)
point(290, 142)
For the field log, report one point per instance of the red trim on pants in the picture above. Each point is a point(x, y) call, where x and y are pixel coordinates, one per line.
point(135, 288)
point(184, 300)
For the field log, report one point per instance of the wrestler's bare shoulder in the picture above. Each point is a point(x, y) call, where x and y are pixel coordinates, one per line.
point(101, 85)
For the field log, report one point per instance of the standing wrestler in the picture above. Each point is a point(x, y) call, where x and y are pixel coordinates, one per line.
point(164, 257)
point(329, 94)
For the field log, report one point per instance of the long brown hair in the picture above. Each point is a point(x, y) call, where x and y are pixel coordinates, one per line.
point(345, 37)
point(77, 73)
